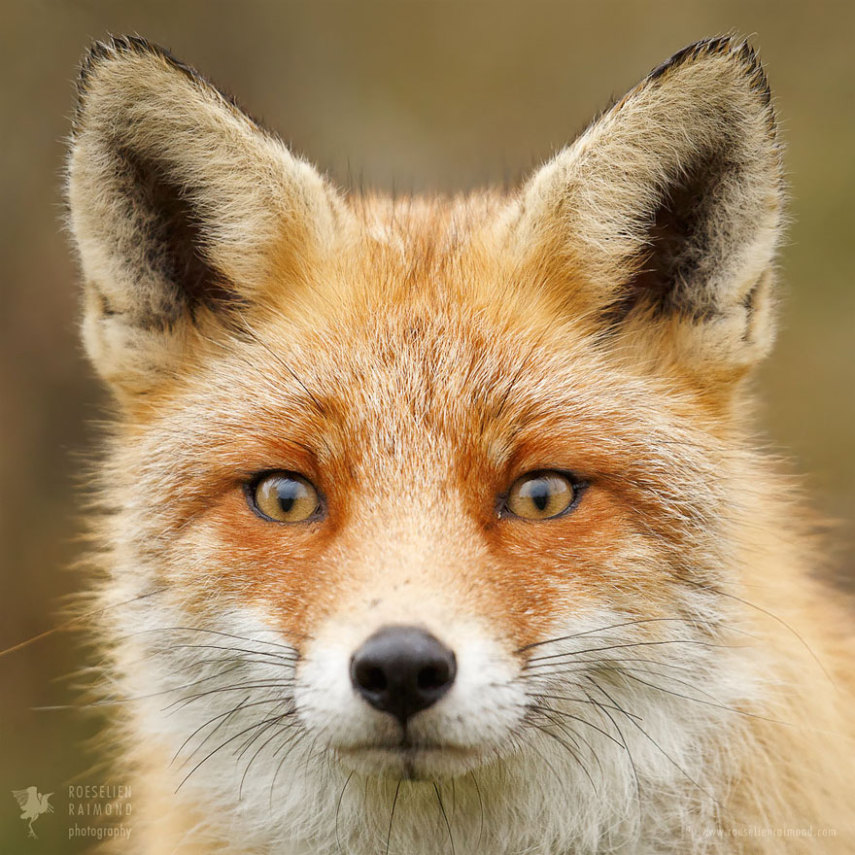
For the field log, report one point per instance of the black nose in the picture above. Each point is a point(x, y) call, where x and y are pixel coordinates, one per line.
point(402, 670)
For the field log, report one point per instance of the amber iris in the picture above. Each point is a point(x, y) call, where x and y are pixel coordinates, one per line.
point(285, 497)
point(541, 495)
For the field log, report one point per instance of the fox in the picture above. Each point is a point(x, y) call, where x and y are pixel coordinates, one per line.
point(441, 524)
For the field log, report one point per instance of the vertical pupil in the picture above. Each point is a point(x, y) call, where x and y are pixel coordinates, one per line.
point(540, 494)
point(287, 494)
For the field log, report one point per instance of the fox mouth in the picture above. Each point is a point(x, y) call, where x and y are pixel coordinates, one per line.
point(412, 761)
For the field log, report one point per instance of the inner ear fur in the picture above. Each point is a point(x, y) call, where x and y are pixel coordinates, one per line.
point(662, 219)
point(181, 207)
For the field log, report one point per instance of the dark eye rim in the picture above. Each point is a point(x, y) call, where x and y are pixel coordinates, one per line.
point(250, 485)
point(579, 485)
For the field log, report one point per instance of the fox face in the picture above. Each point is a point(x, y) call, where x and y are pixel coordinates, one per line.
point(425, 521)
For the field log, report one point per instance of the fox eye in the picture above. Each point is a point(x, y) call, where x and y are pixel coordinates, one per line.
point(542, 495)
point(283, 497)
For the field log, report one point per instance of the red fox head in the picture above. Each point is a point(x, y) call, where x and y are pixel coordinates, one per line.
point(429, 506)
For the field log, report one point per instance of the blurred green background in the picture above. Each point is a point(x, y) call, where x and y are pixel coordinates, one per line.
point(410, 96)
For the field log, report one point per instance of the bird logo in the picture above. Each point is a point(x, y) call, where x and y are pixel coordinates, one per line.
point(33, 804)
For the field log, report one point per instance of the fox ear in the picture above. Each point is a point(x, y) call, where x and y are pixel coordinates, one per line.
point(182, 209)
point(662, 219)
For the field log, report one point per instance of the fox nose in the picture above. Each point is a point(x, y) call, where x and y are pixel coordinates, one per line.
point(402, 670)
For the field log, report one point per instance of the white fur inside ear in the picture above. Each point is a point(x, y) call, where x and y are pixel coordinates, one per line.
point(736, 338)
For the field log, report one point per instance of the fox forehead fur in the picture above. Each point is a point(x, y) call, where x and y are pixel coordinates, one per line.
point(654, 671)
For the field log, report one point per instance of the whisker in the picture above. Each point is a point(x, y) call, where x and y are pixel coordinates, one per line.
point(247, 329)
point(131, 698)
point(224, 716)
point(481, 808)
point(629, 644)
point(252, 738)
point(611, 664)
point(444, 816)
point(220, 747)
point(768, 613)
point(572, 734)
point(533, 745)
point(569, 750)
point(565, 698)
point(252, 759)
point(285, 647)
point(238, 687)
point(285, 745)
point(392, 815)
point(662, 751)
point(337, 809)
point(579, 719)
point(276, 656)
point(712, 703)
point(78, 619)
point(288, 667)
point(625, 745)
point(607, 629)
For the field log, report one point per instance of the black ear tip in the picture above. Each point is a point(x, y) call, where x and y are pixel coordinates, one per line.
point(731, 47)
point(112, 48)
point(115, 49)
point(101, 52)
